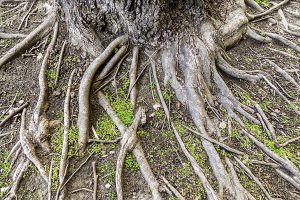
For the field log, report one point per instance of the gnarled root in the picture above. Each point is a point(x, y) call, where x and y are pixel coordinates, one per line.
point(39, 123)
point(85, 86)
point(128, 142)
point(137, 151)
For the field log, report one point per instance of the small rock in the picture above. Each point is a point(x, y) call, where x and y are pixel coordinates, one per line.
point(111, 152)
point(152, 115)
point(156, 106)
point(57, 93)
point(72, 94)
point(39, 57)
point(107, 186)
point(277, 111)
point(222, 125)
point(21, 102)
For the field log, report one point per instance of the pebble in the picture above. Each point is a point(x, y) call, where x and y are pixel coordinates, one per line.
point(111, 152)
point(222, 125)
point(107, 186)
point(156, 106)
point(21, 102)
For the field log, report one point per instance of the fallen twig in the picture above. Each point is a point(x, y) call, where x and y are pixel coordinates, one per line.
point(173, 189)
point(13, 113)
point(289, 141)
point(255, 179)
point(222, 145)
point(59, 63)
point(95, 180)
point(267, 122)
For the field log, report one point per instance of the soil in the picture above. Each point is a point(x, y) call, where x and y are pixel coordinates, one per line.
point(19, 83)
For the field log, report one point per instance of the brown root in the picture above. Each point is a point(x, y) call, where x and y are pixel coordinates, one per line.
point(84, 90)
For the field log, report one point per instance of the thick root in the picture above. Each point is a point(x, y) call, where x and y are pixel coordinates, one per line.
point(137, 151)
point(84, 90)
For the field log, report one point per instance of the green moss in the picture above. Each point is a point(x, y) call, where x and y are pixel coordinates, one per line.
point(51, 75)
point(71, 61)
point(265, 3)
point(7, 42)
point(107, 170)
point(57, 141)
point(130, 162)
point(4, 170)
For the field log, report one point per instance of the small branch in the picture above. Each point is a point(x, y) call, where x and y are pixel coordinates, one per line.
point(82, 189)
point(26, 14)
point(132, 76)
point(273, 8)
point(80, 166)
point(105, 141)
point(255, 179)
point(173, 189)
point(267, 122)
point(224, 146)
point(50, 180)
point(288, 142)
point(16, 111)
point(59, 62)
point(95, 180)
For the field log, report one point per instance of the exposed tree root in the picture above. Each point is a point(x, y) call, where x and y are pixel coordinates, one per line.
point(137, 151)
point(285, 53)
point(59, 63)
point(13, 190)
point(129, 139)
point(252, 34)
point(256, 180)
point(65, 146)
point(50, 179)
point(288, 142)
point(31, 39)
point(211, 194)
point(222, 145)
point(293, 106)
point(84, 90)
point(132, 76)
point(242, 193)
point(276, 7)
point(285, 168)
point(95, 177)
point(285, 74)
point(29, 148)
point(59, 189)
point(270, 127)
point(173, 189)
point(39, 123)
point(11, 35)
point(16, 111)
point(13, 150)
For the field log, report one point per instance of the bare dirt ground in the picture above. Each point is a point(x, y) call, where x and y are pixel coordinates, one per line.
point(19, 84)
